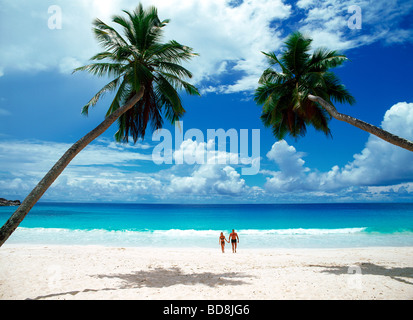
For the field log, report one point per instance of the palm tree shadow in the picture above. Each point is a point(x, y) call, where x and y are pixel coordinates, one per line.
point(163, 277)
point(159, 278)
point(399, 274)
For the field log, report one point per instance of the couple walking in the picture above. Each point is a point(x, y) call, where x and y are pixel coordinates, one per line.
point(233, 237)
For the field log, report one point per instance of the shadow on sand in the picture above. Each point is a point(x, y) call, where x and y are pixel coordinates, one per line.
point(162, 277)
point(373, 269)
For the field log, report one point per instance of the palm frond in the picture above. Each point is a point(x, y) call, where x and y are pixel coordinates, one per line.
point(322, 59)
point(171, 51)
point(284, 96)
point(103, 69)
point(273, 60)
point(120, 97)
point(180, 84)
point(111, 86)
point(296, 55)
point(137, 59)
point(107, 36)
point(335, 90)
point(170, 99)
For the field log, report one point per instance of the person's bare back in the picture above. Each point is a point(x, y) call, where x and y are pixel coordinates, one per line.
point(234, 237)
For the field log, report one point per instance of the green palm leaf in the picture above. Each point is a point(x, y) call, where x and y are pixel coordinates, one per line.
point(284, 95)
point(136, 58)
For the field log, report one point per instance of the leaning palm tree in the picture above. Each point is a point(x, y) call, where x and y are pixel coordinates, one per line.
point(301, 91)
point(146, 76)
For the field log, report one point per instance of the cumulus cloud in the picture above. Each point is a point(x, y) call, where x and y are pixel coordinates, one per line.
point(378, 170)
point(209, 180)
point(288, 159)
point(105, 171)
point(211, 176)
point(292, 173)
point(381, 163)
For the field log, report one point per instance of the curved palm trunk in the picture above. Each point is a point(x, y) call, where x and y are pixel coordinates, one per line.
point(382, 134)
point(28, 203)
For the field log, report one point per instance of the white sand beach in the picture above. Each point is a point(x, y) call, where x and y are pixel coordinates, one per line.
point(93, 272)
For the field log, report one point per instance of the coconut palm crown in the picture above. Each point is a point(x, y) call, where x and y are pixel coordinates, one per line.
point(138, 59)
point(285, 86)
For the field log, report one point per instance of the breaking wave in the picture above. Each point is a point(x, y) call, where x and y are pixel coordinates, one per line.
point(249, 238)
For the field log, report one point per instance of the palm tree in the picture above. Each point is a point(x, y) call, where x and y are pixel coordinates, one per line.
point(300, 93)
point(146, 76)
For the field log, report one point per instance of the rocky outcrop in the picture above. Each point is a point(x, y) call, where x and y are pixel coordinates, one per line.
point(9, 203)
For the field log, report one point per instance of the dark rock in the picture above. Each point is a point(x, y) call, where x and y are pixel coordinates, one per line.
point(9, 203)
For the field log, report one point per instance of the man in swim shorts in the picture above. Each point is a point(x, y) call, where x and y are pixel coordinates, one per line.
point(234, 237)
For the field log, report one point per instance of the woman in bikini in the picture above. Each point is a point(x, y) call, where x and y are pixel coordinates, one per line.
point(222, 240)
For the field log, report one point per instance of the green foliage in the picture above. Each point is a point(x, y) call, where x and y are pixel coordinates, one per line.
point(136, 59)
point(285, 86)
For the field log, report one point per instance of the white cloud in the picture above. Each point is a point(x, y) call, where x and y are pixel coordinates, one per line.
point(41, 155)
point(292, 174)
point(379, 169)
point(68, 64)
point(382, 163)
point(105, 171)
point(211, 176)
point(98, 167)
point(210, 180)
point(326, 22)
point(303, 4)
point(229, 39)
point(288, 159)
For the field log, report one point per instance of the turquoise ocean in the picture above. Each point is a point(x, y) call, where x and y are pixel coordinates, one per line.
point(185, 225)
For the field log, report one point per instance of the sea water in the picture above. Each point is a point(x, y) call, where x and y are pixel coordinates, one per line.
point(184, 225)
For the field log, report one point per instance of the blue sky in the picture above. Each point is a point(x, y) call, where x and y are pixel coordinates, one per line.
point(40, 103)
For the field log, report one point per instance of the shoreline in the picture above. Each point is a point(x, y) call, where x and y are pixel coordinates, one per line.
point(191, 238)
point(189, 248)
point(99, 272)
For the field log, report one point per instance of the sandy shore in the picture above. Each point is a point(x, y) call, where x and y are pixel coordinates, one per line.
point(88, 272)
